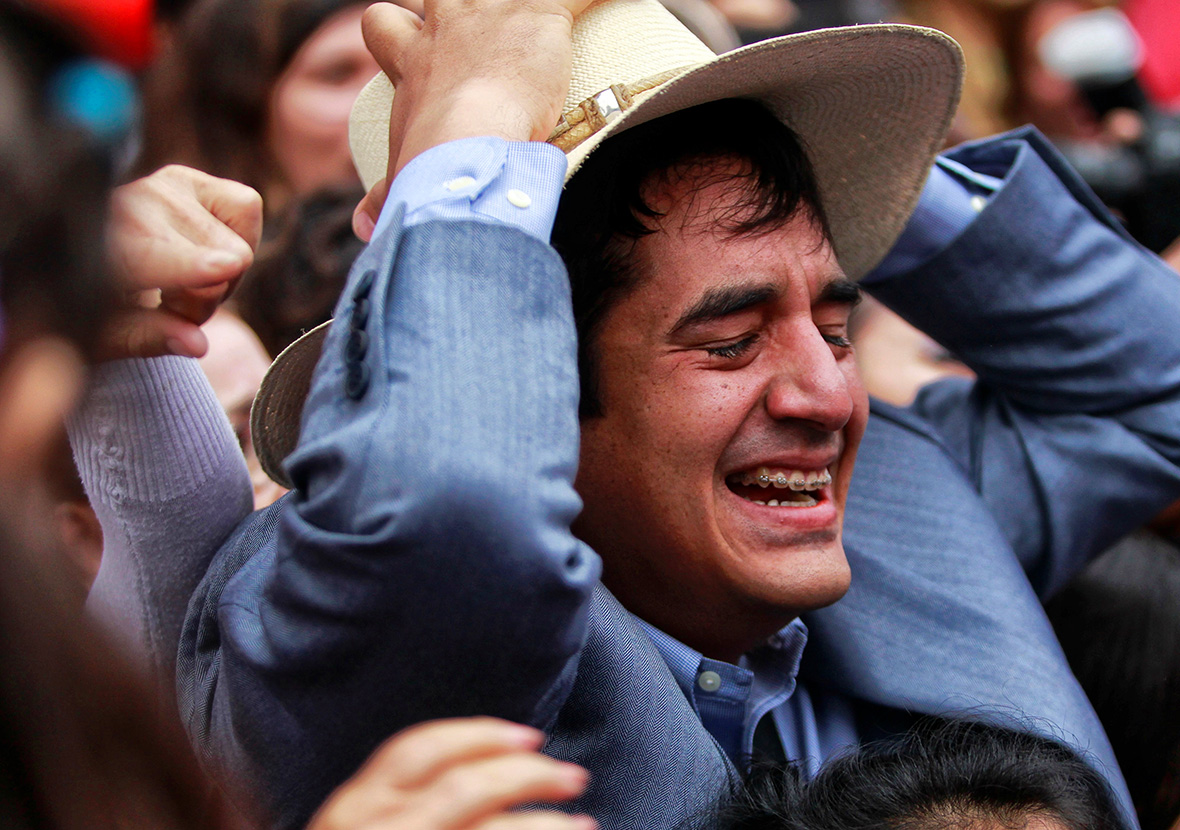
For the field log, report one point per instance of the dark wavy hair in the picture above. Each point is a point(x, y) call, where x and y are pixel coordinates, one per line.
point(941, 775)
point(606, 207)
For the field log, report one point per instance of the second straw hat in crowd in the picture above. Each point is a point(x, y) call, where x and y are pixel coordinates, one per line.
point(871, 104)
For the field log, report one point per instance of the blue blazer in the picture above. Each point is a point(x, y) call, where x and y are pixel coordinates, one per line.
point(424, 566)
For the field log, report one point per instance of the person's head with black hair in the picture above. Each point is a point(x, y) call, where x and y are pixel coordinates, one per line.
point(55, 293)
point(53, 175)
point(940, 775)
point(698, 242)
point(615, 201)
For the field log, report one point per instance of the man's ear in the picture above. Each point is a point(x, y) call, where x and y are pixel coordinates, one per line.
point(40, 382)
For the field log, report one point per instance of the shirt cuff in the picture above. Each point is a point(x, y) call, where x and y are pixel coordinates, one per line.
point(487, 179)
point(953, 196)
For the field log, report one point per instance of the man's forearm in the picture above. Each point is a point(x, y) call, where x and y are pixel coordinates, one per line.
point(1073, 433)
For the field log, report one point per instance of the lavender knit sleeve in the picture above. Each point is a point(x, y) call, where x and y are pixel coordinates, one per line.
point(167, 480)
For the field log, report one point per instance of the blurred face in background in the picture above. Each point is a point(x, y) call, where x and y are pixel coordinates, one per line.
point(307, 129)
point(1052, 102)
point(235, 365)
point(895, 359)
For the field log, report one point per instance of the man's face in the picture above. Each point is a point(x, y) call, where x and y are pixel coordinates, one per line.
point(727, 362)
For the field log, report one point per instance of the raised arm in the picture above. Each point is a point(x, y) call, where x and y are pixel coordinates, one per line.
point(1072, 433)
point(158, 459)
point(423, 566)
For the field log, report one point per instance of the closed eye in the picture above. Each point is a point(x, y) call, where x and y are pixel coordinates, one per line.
point(838, 340)
point(732, 350)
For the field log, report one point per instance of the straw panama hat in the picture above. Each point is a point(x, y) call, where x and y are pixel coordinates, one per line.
point(872, 105)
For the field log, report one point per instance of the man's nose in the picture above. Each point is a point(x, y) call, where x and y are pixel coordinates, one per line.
point(809, 384)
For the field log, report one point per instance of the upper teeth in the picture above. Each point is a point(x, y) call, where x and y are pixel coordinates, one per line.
point(782, 479)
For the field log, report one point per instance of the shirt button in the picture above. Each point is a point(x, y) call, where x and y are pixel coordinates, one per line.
point(978, 203)
point(710, 681)
point(519, 198)
point(459, 183)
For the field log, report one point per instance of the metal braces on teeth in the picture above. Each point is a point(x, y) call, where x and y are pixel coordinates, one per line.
point(799, 484)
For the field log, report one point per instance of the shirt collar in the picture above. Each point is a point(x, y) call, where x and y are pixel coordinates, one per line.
point(731, 699)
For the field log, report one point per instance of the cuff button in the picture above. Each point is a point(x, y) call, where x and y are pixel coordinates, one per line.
point(360, 314)
point(356, 381)
point(519, 198)
point(357, 346)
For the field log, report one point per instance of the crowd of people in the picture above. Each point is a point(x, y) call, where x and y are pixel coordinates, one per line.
point(480, 454)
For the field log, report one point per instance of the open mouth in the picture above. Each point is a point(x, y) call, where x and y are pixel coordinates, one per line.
point(778, 487)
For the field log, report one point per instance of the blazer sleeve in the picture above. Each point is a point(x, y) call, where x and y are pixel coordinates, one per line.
point(1072, 431)
point(423, 566)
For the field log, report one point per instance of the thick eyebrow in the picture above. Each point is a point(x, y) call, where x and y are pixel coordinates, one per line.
point(841, 290)
point(721, 302)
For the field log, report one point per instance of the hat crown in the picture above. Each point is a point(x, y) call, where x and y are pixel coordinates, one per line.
point(623, 41)
point(613, 42)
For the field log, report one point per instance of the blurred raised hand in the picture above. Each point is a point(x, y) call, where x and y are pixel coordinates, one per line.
point(178, 240)
point(458, 774)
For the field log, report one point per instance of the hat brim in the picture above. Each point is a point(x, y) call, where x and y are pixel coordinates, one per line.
point(277, 411)
point(871, 104)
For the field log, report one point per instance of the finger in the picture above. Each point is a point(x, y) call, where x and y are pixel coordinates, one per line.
point(473, 790)
point(536, 820)
point(167, 258)
point(385, 784)
point(178, 263)
point(145, 332)
point(194, 304)
point(1171, 255)
point(576, 7)
point(237, 205)
point(161, 234)
point(421, 753)
point(364, 218)
point(388, 30)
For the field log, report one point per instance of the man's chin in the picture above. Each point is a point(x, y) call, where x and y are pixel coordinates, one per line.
point(797, 580)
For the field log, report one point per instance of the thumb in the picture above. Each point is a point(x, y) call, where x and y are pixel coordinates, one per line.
point(152, 332)
point(364, 218)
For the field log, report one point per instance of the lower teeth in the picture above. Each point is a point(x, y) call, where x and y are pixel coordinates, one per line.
point(807, 501)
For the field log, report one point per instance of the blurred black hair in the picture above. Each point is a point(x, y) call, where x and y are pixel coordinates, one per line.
point(605, 209)
point(85, 741)
point(1119, 624)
